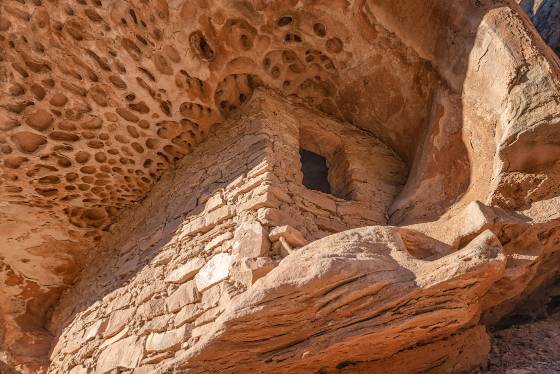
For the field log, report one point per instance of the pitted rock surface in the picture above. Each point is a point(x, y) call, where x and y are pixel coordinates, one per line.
point(101, 97)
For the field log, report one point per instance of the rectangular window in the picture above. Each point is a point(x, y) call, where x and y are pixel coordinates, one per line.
point(315, 171)
point(324, 164)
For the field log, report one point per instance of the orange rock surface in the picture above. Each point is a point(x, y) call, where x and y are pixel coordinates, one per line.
point(156, 213)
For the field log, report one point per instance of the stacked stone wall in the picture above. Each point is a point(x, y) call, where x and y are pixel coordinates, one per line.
point(371, 173)
point(225, 217)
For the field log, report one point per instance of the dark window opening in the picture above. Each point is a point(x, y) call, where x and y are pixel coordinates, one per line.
point(315, 171)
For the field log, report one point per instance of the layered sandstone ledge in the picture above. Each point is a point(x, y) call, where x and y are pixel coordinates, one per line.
point(152, 203)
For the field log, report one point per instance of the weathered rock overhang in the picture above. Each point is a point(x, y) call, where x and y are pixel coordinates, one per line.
point(92, 118)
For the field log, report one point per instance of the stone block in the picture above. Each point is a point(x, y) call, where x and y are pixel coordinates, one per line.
point(168, 340)
point(248, 270)
point(292, 235)
point(150, 309)
point(249, 184)
point(148, 291)
point(218, 240)
point(125, 353)
point(279, 217)
point(361, 211)
point(211, 296)
point(73, 345)
point(281, 194)
point(188, 314)
point(157, 324)
point(255, 201)
point(250, 240)
point(215, 270)
point(121, 301)
point(208, 221)
point(162, 258)
point(321, 200)
point(116, 338)
point(262, 167)
point(185, 294)
point(185, 272)
point(117, 321)
point(202, 330)
point(214, 202)
point(94, 330)
point(208, 316)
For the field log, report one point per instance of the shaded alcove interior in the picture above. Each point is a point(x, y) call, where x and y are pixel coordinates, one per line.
point(315, 171)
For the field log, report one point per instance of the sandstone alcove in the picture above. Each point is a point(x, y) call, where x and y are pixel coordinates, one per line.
point(152, 191)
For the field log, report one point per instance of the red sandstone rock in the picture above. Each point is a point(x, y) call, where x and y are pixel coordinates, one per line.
point(155, 213)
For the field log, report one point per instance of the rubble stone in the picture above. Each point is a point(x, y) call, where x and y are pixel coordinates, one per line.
point(293, 236)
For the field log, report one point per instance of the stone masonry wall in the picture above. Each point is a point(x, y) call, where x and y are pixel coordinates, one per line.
point(371, 172)
point(226, 216)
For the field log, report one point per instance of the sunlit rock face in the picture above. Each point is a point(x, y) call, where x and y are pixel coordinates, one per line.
point(440, 119)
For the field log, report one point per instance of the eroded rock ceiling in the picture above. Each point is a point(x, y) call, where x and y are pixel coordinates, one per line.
point(99, 98)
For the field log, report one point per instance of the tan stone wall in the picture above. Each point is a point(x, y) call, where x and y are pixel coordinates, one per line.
point(172, 264)
point(374, 174)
